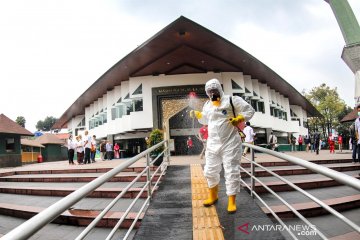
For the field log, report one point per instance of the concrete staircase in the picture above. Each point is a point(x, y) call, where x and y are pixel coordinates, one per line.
point(342, 198)
point(23, 194)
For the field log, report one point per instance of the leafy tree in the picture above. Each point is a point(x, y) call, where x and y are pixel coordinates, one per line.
point(46, 124)
point(329, 104)
point(21, 121)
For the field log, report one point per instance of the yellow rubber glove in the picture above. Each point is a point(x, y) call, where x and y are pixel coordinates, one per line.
point(195, 114)
point(236, 120)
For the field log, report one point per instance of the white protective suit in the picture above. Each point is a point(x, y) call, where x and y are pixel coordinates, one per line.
point(224, 142)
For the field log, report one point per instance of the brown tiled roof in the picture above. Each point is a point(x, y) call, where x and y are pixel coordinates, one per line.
point(9, 126)
point(350, 116)
point(30, 142)
point(63, 136)
point(49, 138)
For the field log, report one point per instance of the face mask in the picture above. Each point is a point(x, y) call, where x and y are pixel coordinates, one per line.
point(215, 97)
point(359, 114)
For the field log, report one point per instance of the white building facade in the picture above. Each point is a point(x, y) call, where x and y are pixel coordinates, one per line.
point(125, 111)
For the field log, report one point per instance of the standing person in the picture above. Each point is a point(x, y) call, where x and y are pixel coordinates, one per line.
point(293, 143)
point(300, 141)
point(103, 150)
point(249, 133)
point(79, 149)
point(71, 149)
point(272, 141)
point(189, 144)
point(108, 150)
point(340, 142)
point(222, 113)
point(87, 146)
point(353, 141)
point(116, 150)
point(357, 134)
point(203, 135)
point(331, 143)
point(307, 142)
point(316, 141)
point(93, 148)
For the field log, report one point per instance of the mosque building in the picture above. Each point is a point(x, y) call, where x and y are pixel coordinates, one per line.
point(150, 88)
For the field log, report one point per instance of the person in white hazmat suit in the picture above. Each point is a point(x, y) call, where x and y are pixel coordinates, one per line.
point(224, 142)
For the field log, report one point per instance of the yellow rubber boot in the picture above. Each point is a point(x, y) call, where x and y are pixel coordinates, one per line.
point(213, 196)
point(232, 204)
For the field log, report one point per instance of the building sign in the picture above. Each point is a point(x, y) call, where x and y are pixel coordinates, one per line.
point(179, 90)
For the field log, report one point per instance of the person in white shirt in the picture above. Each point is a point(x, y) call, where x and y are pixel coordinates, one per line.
point(93, 148)
point(79, 149)
point(272, 141)
point(71, 148)
point(249, 133)
point(87, 146)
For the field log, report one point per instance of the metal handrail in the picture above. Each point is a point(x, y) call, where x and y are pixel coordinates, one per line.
point(337, 176)
point(286, 204)
point(34, 224)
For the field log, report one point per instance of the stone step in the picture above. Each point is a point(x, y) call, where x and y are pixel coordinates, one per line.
point(53, 231)
point(68, 184)
point(78, 177)
point(297, 170)
point(331, 226)
point(311, 209)
point(74, 217)
point(88, 203)
point(346, 236)
point(80, 169)
point(286, 163)
point(63, 191)
point(308, 183)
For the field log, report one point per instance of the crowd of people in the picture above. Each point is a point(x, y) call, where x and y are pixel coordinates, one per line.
point(86, 147)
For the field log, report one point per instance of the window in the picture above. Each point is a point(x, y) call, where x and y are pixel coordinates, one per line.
point(128, 107)
point(253, 103)
point(138, 105)
point(285, 116)
point(234, 85)
point(138, 90)
point(292, 114)
point(261, 107)
point(10, 144)
point(272, 111)
point(105, 117)
point(116, 112)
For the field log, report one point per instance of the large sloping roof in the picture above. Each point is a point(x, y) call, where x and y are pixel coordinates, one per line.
point(350, 117)
point(31, 143)
point(9, 126)
point(49, 138)
point(180, 48)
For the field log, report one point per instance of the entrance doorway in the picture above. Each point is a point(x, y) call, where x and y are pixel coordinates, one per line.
point(182, 127)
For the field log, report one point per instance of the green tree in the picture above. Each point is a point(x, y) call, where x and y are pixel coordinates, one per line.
point(46, 124)
point(329, 104)
point(21, 121)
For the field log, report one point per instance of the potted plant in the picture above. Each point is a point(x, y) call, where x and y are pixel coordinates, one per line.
point(156, 136)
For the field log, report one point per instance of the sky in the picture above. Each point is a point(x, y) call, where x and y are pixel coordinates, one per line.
point(51, 51)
